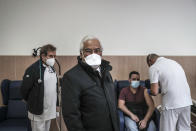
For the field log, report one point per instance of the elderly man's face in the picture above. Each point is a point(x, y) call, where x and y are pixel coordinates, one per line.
point(92, 46)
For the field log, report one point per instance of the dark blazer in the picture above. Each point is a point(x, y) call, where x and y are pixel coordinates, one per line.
point(88, 100)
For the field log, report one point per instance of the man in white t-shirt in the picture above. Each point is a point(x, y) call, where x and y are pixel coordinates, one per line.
point(169, 77)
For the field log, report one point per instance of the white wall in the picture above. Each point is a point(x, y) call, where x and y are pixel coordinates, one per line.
point(125, 27)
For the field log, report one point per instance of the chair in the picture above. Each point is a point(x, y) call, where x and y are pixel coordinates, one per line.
point(125, 83)
point(13, 115)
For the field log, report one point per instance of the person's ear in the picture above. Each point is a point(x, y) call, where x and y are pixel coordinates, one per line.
point(43, 57)
point(80, 54)
point(149, 62)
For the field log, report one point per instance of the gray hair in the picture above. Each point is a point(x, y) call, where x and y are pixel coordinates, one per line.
point(85, 39)
point(151, 56)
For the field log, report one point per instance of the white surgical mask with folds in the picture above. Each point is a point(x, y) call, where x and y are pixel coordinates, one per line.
point(135, 84)
point(50, 61)
point(93, 60)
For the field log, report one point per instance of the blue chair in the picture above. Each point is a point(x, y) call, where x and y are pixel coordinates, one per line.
point(125, 83)
point(13, 115)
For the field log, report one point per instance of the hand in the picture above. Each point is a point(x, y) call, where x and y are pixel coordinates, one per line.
point(142, 124)
point(134, 117)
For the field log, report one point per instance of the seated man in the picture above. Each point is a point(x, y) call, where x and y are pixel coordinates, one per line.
point(137, 105)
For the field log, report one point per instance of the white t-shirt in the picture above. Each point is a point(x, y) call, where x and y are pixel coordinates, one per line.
point(173, 83)
point(50, 97)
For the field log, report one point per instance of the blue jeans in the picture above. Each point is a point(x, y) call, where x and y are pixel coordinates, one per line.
point(132, 126)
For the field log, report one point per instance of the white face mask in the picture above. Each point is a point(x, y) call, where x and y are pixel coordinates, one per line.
point(50, 61)
point(93, 60)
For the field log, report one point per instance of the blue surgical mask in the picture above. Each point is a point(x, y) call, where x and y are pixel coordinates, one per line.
point(135, 84)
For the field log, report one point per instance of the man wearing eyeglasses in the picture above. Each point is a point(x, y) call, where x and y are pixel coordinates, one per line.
point(39, 89)
point(88, 95)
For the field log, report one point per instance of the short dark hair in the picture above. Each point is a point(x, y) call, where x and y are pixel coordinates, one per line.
point(133, 72)
point(151, 56)
point(44, 49)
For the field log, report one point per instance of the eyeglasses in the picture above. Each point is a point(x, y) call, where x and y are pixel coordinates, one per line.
point(90, 51)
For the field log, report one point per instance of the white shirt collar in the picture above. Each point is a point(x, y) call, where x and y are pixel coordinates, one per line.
point(159, 59)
